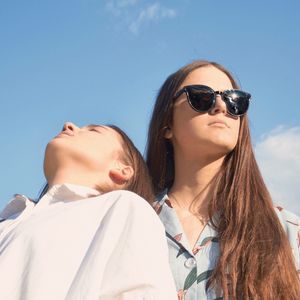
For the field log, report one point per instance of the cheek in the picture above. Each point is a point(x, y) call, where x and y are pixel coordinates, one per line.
point(186, 132)
point(93, 160)
point(235, 130)
point(101, 154)
point(231, 137)
point(187, 124)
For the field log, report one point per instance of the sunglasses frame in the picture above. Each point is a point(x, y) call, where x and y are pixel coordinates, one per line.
point(186, 89)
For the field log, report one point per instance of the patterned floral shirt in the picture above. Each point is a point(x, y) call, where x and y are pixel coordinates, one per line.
point(192, 267)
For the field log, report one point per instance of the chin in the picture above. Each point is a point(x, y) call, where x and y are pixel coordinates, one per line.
point(58, 146)
point(54, 156)
point(226, 149)
point(223, 141)
point(51, 148)
point(222, 147)
point(48, 159)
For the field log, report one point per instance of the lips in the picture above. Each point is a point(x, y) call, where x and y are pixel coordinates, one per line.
point(218, 123)
point(69, 133)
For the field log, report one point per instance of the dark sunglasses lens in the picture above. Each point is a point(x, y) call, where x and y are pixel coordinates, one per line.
point(201, 98)
point(237, 102)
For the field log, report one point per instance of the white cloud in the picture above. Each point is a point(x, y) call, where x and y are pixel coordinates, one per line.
point(153, 12)
point(117, 7)
point(278, 155)
point(134, 13)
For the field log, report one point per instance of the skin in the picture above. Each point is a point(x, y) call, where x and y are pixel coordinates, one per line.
point(89, 156)
point(201, 141)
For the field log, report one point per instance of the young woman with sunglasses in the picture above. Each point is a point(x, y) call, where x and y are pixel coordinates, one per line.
point(226, 239)
point(90, 236)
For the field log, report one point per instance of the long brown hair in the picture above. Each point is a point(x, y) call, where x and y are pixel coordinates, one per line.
point(140, 182)
point(256, 260)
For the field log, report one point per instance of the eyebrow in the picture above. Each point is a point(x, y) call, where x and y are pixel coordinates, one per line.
point(96, 125)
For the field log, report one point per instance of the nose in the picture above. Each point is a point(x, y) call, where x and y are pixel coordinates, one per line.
point(219, 107)
point(69, 126)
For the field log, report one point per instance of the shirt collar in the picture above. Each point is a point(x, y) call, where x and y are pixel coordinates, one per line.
point(67, 192)
point(57, 193)
point(15, 206)
point(170, 220)
point(173, 227)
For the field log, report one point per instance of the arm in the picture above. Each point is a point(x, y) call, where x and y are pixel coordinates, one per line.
point(291, 225)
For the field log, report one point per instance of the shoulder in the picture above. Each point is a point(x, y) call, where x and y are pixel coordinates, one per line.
point(129, 200)
point(289, 220)
point(291, 225)
point(162, 200)
point(135, 207)
point(124, 196)
point(16, 206)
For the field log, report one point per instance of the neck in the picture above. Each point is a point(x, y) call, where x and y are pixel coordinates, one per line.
point(78, 177)
point(191, 187)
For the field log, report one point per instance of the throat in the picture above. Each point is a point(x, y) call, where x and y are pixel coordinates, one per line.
point(192, 224)
point(192, 215)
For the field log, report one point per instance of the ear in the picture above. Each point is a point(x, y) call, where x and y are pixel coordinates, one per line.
point(167, 132)
point(121, 173)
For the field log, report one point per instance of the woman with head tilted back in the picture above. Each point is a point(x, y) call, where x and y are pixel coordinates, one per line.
point(226, 239)
point(91, 235)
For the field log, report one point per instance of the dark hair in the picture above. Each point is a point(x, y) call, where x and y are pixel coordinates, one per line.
point(140, 182)
point(253, 244)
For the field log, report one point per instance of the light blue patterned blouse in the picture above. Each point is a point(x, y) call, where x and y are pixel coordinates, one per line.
point(192, 267)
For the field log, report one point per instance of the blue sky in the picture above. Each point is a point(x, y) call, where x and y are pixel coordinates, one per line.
point(92, 61)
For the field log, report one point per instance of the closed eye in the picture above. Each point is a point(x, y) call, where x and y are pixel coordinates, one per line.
point(96, 128)
point(93, 129)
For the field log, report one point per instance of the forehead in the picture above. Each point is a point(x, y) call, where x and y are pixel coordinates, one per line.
point(210, 76)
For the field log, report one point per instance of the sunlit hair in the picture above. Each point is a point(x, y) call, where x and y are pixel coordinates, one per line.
point(140, 182)
point(256, 260)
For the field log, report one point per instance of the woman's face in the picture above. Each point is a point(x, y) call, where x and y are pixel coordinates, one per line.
point(87, 150)
point(199, 135)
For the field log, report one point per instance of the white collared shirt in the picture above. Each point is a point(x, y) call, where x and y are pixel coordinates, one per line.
point(77, 244)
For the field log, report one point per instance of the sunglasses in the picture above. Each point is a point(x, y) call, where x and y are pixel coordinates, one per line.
point(202, 98)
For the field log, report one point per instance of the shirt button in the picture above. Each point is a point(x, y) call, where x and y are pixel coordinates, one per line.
point(190, 262)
